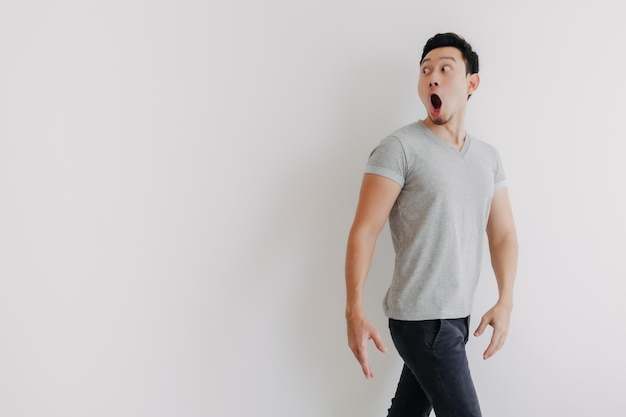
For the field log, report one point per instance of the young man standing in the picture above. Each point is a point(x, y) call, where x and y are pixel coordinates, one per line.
point(440, 189)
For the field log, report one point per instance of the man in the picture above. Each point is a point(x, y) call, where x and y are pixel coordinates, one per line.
point(440, 189)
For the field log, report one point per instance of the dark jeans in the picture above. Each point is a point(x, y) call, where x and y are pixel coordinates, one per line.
point(436, 373)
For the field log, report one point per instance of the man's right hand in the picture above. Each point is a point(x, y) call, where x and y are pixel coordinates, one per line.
point(361, 331)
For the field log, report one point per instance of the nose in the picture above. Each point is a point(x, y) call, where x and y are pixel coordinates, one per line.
point(433, 79)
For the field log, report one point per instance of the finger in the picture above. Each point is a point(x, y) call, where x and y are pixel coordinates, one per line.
point(497, 341)
point(365, 366)
point(379, 342)
point(491, 349)
point(484, 322)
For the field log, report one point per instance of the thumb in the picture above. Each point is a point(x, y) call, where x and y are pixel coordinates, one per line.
point(482, 326)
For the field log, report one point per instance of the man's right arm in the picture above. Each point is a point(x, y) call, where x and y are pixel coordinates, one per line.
point(377, 196)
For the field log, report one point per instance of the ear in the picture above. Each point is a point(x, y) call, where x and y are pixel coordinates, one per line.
point(472, 83)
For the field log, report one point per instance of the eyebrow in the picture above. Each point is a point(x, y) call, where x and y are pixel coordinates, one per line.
point(439, 59)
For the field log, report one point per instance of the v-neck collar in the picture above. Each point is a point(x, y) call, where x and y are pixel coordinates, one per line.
point(442, 143)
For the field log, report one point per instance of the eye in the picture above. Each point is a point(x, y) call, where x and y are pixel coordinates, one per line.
point(446, 68)
point(425, 70)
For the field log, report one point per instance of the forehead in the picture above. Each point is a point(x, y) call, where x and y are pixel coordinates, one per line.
point(445, 52)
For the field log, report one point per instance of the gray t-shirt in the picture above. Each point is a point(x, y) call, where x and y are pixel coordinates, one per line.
point(438, 221)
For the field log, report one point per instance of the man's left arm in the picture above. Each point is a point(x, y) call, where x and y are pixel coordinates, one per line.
point(503, 249)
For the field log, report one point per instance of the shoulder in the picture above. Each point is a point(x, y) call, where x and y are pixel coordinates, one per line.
point(486, 154)
point(407, 139)
point(398, 140)
point(484, 148)
point(409, 132)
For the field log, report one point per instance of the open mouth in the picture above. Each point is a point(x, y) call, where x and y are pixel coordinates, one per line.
point(435, 100)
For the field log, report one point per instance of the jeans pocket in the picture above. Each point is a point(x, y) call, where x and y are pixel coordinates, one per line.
point(432, 333)
point(414, 338)
point(452, 336)
point(467, 327)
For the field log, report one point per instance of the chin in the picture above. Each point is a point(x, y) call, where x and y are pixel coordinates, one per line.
point(439, 121)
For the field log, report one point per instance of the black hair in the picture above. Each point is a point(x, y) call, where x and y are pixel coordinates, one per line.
point(441, 40)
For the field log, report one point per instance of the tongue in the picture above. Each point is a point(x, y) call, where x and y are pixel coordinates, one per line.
point(436, 101)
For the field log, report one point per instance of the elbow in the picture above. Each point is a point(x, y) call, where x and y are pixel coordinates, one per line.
point(362, 236)
point(507, 239)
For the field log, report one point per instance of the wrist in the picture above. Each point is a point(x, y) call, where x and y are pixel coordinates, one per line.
point(506, 302)
point(354, 312)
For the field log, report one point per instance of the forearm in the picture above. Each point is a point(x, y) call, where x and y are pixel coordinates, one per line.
point(358, 260)
point(504, 262)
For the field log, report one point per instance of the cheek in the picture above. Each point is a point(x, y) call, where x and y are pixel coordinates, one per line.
point(421, 90)
point(423, 87)
point(461, 87)
point(423, 96)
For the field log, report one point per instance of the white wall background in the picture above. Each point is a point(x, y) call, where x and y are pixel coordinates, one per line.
point(178, 179)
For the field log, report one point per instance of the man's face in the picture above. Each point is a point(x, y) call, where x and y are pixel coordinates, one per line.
point(444, 85)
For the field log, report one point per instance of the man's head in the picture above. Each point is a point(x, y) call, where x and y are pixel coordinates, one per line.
point(448, 77)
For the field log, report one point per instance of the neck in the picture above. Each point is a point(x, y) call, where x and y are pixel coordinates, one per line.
point(450, 132)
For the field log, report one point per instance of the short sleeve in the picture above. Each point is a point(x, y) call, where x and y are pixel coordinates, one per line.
point(499, 175)
point(388, 160)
